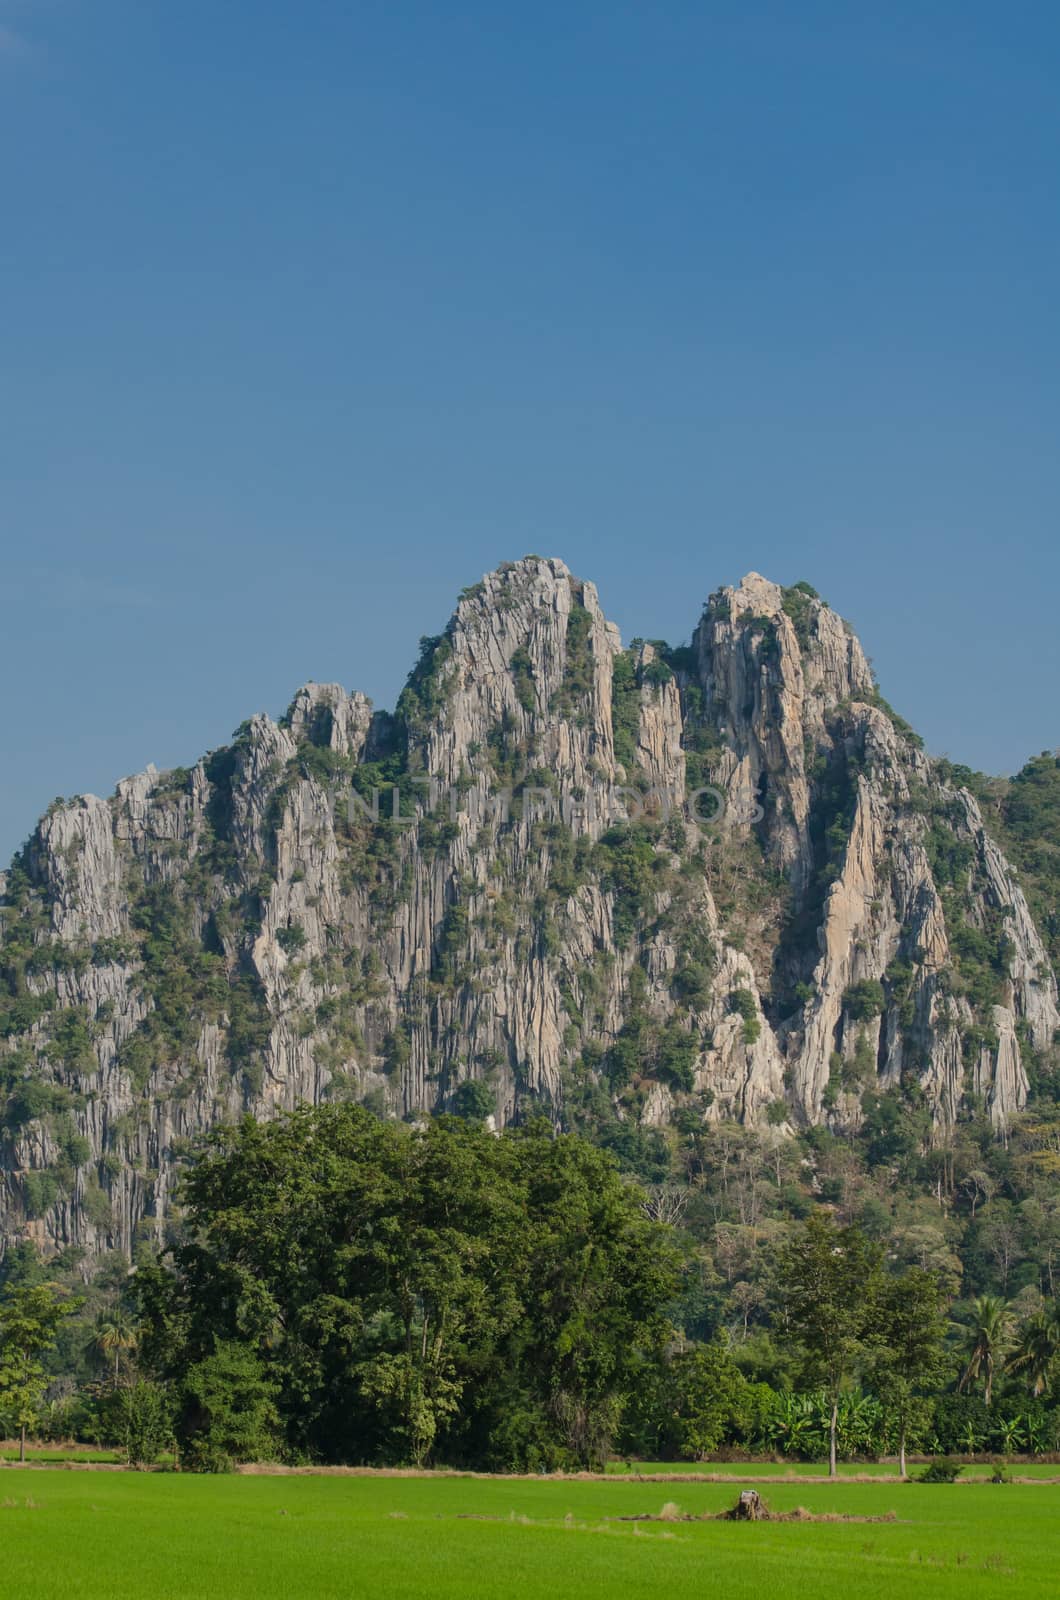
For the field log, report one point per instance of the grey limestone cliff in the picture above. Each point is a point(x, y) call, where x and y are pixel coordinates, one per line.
point(719, 881)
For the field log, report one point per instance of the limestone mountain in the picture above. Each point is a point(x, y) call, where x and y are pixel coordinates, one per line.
point(626, 886)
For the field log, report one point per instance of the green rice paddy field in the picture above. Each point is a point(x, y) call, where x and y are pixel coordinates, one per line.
point(125, 1535)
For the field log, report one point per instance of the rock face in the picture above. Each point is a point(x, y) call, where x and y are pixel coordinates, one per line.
point(720, 881)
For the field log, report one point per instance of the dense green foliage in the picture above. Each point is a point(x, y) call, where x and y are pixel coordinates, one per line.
point(30, 1315)
point(625, 709)
point(366, 1291)
point(348, 1289)
point(798, 605)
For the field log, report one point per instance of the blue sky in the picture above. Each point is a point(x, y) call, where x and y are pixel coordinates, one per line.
point(309, 314)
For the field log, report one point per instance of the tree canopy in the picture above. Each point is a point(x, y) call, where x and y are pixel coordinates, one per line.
point(395, 1291)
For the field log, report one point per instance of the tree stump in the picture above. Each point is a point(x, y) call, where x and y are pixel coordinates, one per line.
point(749, 1507)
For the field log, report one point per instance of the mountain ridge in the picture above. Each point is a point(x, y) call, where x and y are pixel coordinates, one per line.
point(548, 922)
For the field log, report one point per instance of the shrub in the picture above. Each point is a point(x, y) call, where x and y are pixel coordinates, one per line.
point(291, 939)
point(578, 663)
point(798, 605)
point(691, 983)
point(427, 690)
point(71, 1040)
point(143, 1422)
point(675, 1057)
point(625, 709)
point(864, 1000)
point(397, 1050)
point(522, 671)
point(742, 1001)
point(30, 1099)
point(97, 1207)
point(625, 860)
point(657, 673)
point(523, 1440)
point(75, 1148)
point(942, 1470)
point(228, 1413)
point(708, 1401)
point(109, 952)
point(473, 1100)
point(40, 1190)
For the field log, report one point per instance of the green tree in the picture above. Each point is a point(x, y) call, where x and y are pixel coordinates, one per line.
point(1037, 1347)
point(411, 1291)
point(116, 1335)
point(827, 1281)
point(709, 1399)
point(474, 1100)
point(228, 1413)
point(143, 1421)
point(908, 1333)
point(600, 1277)
point(990, 1339)
point(30, 1316)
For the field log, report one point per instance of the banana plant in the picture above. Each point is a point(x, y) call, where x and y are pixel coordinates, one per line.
point(1039, 1434)
point(795, 1425)
point(972, 1439)
point(1012, 1433)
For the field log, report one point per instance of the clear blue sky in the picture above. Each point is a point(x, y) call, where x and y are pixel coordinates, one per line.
point(310, 313)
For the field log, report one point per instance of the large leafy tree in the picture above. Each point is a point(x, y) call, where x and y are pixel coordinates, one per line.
point(402, 1290)
point(597, 1275)
point(30, 1315)
point(708, 1399)
point(908, 1334)
point(828, 1280)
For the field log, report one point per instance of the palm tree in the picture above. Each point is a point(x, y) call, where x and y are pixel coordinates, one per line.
point(1036, 1350)
point(991, 1338)
point(114, 1334)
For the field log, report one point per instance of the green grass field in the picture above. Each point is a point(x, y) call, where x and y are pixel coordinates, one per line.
point(125, 1535)
point(9, 1452)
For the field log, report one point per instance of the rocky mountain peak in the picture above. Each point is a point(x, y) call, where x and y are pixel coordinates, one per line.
point(618, 887)
point(756, 596)
point(524, 664)
point(325, 715)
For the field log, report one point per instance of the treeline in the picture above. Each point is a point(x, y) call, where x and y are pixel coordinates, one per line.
point(341, 1289)
point(978, 1208)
